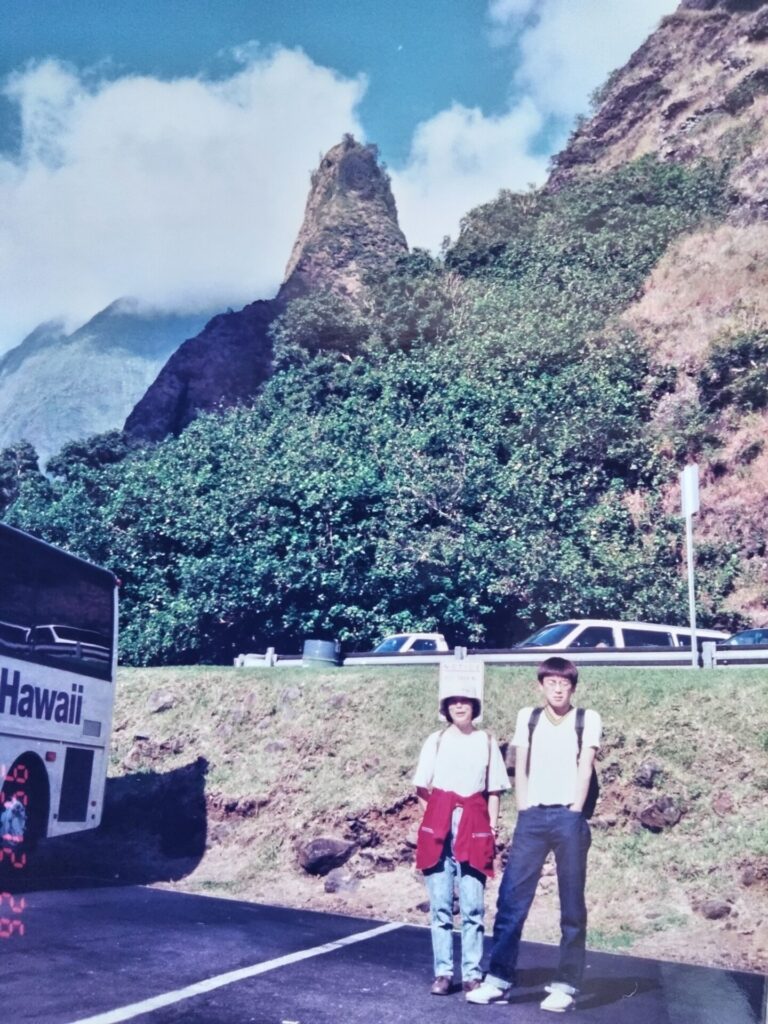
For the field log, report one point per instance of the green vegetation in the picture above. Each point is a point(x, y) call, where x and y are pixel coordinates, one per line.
point(18, 463)
point(467, 450)
point(736, 373)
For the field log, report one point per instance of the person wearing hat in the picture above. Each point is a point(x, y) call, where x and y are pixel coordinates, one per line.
point(459, 778)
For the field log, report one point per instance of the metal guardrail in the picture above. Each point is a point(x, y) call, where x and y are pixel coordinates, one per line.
point(644, 656)
point(412, 658)
point(712, 656)
point(741, 654)
point(268, 660)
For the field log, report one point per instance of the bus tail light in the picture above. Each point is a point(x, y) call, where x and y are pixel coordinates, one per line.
point(50, 755)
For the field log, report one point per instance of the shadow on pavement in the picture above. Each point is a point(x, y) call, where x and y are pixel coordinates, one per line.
point(153, 829)
point(597, 992)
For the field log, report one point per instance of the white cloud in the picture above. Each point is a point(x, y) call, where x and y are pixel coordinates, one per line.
point(461, 157)
point(189, 193)
point(185, 193)
point(502, 12)
point(458, 159)
point(570, 48)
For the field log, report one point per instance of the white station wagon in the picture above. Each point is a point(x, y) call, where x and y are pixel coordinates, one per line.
point(411, 643)
point(613, 633)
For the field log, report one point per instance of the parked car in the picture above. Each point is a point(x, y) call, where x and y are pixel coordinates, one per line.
point(411, 643)
point(748, 636)
point(69, 642)
point(613, 633)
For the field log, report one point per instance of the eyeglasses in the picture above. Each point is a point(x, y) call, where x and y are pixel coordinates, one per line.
point(555, 682)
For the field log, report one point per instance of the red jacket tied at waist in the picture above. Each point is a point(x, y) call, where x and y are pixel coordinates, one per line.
point(473, 842)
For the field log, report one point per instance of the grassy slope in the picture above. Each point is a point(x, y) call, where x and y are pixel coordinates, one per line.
point(297, 753)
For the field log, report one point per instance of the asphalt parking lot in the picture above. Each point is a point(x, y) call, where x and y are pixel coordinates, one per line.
point(104, 955)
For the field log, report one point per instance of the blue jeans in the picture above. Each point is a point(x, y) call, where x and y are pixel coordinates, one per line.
point(539, 830)
point(471, 886)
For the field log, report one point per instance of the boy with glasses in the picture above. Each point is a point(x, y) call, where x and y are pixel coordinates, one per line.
point(552, 781)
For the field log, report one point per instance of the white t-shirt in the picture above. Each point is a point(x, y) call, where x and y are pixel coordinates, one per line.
point(458, 764)
point(552, 773)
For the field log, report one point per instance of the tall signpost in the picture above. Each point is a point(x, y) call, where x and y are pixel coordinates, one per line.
point(689, 489)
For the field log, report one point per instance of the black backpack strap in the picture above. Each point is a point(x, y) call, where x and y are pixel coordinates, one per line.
point(594, 784)
point(532, 723)
point(580, 715)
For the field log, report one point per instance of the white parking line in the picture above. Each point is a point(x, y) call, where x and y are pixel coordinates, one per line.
point(208, 984)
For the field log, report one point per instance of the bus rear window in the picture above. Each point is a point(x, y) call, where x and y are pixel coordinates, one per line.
point(54, 609)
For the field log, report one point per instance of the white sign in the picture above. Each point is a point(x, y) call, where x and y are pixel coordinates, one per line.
point(459, 678)
point(689, 489)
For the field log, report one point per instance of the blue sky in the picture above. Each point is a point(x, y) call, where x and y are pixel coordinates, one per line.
point(162, 149)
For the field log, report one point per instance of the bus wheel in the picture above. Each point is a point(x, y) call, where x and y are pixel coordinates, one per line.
point(19, 819)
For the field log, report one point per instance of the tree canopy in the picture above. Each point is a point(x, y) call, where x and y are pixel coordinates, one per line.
point(466, 448)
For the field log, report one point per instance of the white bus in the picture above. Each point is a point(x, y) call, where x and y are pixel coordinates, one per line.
point(58, 652)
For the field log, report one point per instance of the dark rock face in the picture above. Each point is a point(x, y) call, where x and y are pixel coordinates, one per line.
point(223, 365)
point(320, 856)
point(350, 228)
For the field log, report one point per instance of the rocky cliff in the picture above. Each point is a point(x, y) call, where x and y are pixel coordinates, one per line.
point(350, 229)
point(223, 365)
point(350, 225)
point(698, 89)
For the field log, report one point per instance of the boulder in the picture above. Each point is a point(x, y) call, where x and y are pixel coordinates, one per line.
point(646, 774)
point(661, 814)
point(320, 856)
point(159, 701)
point(714, 909)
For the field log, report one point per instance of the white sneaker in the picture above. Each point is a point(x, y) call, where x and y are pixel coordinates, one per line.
point(488, 993)
point(558, 1001)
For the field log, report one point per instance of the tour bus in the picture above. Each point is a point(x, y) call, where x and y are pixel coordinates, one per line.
point(58, 652)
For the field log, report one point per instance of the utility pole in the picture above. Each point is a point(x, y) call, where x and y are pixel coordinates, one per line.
point(689, 490)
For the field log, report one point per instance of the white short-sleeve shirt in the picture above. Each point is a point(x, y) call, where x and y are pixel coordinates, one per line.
point(552, 773)
point(458, 764)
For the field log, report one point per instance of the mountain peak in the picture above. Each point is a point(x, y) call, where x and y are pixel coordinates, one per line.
point(350, 228)
point(350, 224)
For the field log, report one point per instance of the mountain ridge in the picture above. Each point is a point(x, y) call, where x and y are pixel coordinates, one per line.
point(57, 387)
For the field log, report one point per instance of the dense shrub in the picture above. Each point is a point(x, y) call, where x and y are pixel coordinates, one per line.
point(18, 462)
point(466, 450)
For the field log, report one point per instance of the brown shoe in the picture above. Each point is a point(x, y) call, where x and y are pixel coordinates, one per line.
point(470, 986)
point(441, 986)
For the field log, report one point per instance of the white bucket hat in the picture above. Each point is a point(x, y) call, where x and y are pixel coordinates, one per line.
point(461, 679)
